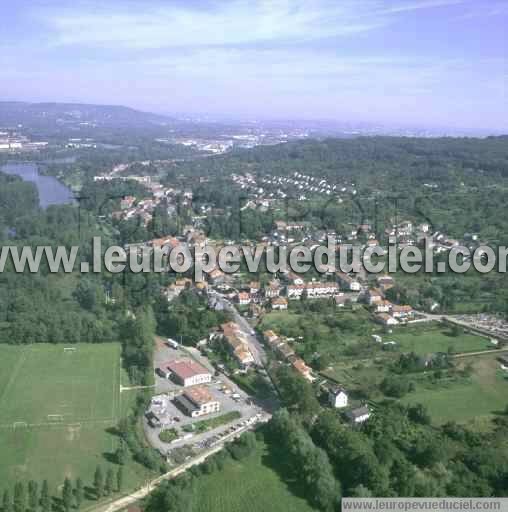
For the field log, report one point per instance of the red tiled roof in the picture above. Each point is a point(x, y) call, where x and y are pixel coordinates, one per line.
point(186, 368)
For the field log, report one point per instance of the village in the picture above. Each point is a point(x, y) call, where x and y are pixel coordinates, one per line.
point(198, 402)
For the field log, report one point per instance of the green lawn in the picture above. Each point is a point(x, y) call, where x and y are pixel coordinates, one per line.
point(425, 339)
point(250, 485)
point(82, 388)
point(218, 421)
point(485, 393)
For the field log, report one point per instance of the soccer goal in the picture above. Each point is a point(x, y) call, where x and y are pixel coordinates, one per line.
point(55, 417)
point(69, 350)
point(19, 424)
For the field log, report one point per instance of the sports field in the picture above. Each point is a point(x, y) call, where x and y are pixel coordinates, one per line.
point(44, 384)
point(56, 408)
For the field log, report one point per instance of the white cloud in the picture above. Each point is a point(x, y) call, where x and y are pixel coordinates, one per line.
point(235, 22)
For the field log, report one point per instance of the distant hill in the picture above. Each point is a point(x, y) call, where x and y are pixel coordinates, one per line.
point(38, 115)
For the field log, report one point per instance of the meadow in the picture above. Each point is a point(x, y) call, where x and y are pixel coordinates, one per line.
point(475, 399)
point(431, 338)
point(250, 485)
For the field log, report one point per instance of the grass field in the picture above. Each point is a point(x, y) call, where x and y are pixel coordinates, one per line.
point(250, 485)
point(82, 388)
point(43, 381)
point(483, 395)
point(424, 339)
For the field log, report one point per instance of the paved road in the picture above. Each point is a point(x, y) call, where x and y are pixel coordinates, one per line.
point(141, 493)
point(255, 345)
point(480, 352)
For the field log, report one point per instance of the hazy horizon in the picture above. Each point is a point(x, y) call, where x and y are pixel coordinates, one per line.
point(428, 63)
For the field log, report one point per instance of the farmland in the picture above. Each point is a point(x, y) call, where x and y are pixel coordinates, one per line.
point(249, 485)
point(56, 409)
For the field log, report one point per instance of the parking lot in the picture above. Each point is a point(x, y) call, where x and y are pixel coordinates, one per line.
point(227, 393)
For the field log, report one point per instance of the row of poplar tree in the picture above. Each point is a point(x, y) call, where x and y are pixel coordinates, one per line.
point(34, 499)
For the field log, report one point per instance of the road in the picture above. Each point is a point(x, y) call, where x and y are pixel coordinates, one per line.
point(480, 353)
point(126, 501)
point(255, 345)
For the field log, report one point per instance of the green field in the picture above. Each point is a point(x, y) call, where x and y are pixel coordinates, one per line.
point(484, 394)
point(250, 485)
point(430, 338)
point(45, 384)
point(56, 408)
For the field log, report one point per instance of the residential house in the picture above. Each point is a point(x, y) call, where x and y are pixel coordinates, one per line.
point(337, 397)
point(271, 338)
point(383, 306)
point(385, 282)
point(254, 287)
point(386, 319)
point(402, 312)
point(279, 303)
point(300, 366)
point(374, 296)
point(348, 282)
point(295, 291)
point(284, 350)
point(359, 415)
point(237, 343)
point(273, 289)
point(243, 298)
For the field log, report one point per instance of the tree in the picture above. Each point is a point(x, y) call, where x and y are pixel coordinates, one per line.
point(19, 497)
point(110, 479)
point(419, 414)
point(33, 495)
point(98, 483)
point(119, 479)
point(7, 505)
point(78, 493)
point(67, 495)
point(121, 454)
point(455, 331)
point(45, 497)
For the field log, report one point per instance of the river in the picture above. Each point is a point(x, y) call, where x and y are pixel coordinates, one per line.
point(51, 191)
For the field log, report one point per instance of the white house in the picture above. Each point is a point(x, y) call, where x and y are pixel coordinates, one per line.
point(386, 319)
point(279, 303)
point(338, 397)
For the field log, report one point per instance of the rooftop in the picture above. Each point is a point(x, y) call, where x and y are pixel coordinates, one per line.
point(186, 368)
point(198, 395)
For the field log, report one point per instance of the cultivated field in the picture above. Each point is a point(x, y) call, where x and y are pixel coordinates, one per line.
point(250, 485)
point(56, 408)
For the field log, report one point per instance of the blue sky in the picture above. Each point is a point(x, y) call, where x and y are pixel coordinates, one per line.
point(418, 62)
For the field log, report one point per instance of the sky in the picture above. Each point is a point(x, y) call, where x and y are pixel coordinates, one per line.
point(403, 62)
